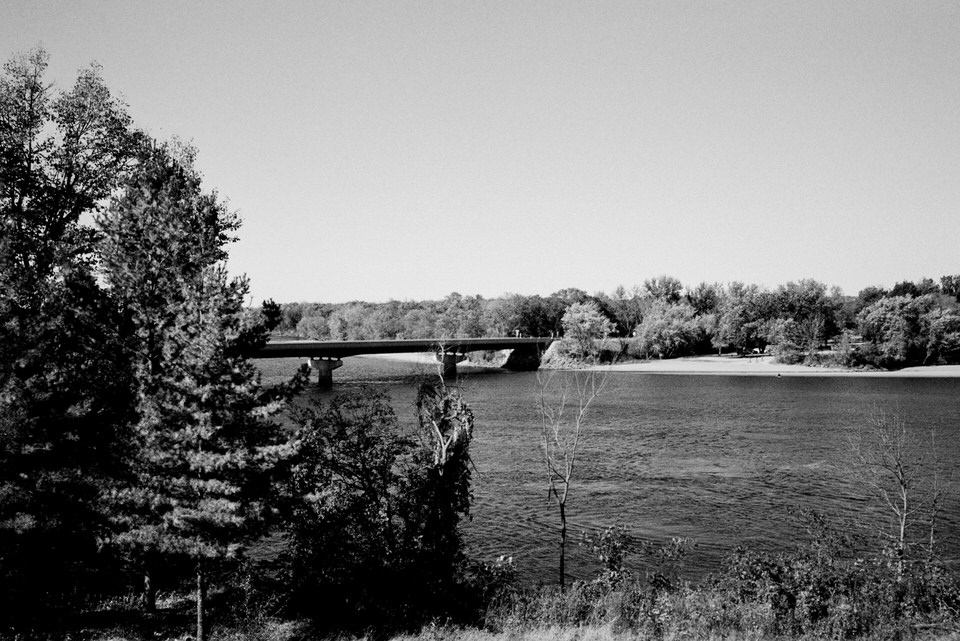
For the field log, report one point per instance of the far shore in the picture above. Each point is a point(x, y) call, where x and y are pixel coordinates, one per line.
point(731, 365)
point(766, 366)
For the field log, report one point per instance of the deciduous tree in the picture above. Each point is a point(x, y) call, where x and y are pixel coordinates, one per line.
point(897, 462)
point(743, 315)
point(460, 317)
point(375, 507)
point(61, 156)
point(811, 312)
point(892, 326)
point(668, 331)
point(441, 490)
point(565, 398)
point(705, 298)
point(665, 288)
point(624, 307)
point(347, 522)
point(63, 386)
point(585, 325)
point(950, 286)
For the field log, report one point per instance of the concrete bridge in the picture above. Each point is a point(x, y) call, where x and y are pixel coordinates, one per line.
point(326, 356)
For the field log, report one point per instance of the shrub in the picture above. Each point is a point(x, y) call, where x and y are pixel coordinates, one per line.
point(823, 589)
point(374, 509)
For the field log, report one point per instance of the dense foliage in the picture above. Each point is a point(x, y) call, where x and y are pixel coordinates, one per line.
point(374, 507)
point(63, 382)
point(804, 321)
point(824, 589)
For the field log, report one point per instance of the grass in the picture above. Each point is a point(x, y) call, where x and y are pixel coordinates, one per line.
point(587, 611)
point(559, 633)
point(302, 631)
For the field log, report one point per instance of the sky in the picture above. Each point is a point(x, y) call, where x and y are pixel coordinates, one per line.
point(407, 150)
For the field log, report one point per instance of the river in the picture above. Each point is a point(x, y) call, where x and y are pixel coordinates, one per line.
point(722, 461)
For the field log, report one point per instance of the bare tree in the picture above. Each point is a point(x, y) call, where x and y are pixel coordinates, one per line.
point(899, 466)
point(564, 400)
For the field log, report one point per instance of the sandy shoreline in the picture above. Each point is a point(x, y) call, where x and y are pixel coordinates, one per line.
point(725, 366)
point(765, 366)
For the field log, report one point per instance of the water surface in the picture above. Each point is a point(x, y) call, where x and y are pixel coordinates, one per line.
point(723, 461)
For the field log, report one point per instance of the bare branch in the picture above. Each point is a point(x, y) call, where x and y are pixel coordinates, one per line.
point(892, 460)
point(561, 432)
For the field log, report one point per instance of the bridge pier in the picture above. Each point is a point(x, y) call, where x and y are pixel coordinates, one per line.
point(450, 360)
point(324, 368)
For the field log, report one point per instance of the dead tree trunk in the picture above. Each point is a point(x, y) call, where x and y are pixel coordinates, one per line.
point(201, 602)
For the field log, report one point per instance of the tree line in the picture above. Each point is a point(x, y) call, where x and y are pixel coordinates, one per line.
point(912, 323)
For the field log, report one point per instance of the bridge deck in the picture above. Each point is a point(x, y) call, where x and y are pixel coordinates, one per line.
point(340, 349)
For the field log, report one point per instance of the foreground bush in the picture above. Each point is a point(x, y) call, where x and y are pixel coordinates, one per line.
point(821, 590)
point(375, 514)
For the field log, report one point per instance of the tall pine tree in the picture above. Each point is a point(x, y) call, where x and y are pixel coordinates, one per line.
point(206, 447)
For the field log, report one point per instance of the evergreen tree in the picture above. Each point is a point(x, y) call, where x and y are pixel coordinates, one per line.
point(206, 448)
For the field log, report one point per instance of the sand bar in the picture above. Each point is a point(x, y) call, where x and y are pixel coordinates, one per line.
point(727, 365)
point(765, 366)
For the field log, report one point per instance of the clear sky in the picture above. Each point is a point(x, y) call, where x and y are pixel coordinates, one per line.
point(405, 150)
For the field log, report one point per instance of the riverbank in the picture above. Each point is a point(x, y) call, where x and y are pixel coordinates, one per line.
point(730, 365)
point(766, 366)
